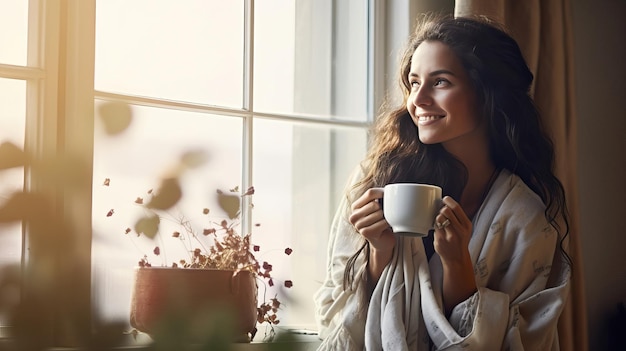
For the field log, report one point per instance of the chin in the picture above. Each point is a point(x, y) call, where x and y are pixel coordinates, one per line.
point(428, 139)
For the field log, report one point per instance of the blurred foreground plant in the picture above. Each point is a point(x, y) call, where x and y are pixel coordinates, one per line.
point(47, 301)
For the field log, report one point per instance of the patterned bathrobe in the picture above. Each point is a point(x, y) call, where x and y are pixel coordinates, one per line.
point(522, 282)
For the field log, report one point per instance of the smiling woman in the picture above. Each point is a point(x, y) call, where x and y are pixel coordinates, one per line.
point(442, 101)
point(468, 125)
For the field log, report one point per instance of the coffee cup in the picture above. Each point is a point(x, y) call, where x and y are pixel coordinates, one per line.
point(410, 209)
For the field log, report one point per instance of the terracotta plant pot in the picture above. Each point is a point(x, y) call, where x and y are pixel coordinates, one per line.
point(197, 301)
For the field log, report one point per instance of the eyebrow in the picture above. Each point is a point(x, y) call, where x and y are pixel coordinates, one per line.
point(434, 73)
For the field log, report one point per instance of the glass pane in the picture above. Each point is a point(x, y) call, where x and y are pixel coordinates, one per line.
point(134, 161)
point(310, 57)
point(178, 50)
point(299, 177)
point(13, 32)
point(12, 127)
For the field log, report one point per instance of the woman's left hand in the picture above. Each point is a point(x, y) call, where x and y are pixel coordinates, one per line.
point(452, 239)
point(453, 230)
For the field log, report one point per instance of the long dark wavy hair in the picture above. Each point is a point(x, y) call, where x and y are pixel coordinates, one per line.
point(517, 142)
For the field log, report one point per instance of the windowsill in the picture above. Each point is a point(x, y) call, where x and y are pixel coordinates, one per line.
point(302, 340)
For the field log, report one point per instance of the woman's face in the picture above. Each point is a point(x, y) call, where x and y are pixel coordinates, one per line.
point(442, 101)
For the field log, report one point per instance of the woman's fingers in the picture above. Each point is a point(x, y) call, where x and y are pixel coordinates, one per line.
point(367, 219)
point(368, 196)
point(452, 240)
point(453, 214)
point(366, 205)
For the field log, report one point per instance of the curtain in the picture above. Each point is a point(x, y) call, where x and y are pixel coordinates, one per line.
point(543, 29)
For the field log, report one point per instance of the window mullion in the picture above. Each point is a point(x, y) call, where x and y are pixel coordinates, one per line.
point(59, 134)
point(77, 133)
point(248, 105)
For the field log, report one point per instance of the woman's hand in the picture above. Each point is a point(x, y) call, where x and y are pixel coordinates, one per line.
point(451, 242)
point(367, 218)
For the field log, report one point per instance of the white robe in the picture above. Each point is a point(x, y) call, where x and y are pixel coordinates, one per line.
point(522, 284)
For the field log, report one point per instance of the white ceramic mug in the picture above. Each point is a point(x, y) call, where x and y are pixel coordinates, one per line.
point(411, 208)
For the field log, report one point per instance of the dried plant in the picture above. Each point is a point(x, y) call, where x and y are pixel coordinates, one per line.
point(216, 246)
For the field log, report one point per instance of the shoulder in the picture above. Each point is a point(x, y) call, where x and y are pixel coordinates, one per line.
point(516, 195)
point(516, 207)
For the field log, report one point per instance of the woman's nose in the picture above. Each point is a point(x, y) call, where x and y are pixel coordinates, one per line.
point(422, 96)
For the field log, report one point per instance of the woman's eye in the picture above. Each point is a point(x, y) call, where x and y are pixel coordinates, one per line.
point(440, 81)
point(414, 84)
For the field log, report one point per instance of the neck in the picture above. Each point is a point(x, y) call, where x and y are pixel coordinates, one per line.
point(478, 184)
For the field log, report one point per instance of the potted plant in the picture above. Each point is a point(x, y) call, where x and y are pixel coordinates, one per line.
point(214, 288)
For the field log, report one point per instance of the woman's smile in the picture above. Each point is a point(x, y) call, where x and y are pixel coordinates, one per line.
point(427, 120)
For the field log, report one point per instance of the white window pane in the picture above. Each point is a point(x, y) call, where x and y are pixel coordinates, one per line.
point(12, 110)
point(299, 177)
point(274, 45)
point(166, 50)
point(134, 161)
point(310, 57)
point(13, 31)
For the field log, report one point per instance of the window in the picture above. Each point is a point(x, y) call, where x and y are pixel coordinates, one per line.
point(274, 92)
point(278, 93)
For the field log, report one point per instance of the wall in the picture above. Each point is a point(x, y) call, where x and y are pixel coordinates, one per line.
point(600, 58)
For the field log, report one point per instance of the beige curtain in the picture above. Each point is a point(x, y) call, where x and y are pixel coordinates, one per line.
point(543, 30)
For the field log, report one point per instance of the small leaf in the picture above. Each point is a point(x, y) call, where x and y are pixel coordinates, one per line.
point(12, 156)
point(249, 192)
point(115, 116)
point(256, 248)
point(148, 225)
point(229, 203)
point(288, 251)
point(139, 201)
point(107, 182)
point(127, 231)
point(205, 211)
point(288, 283)
point(168, 195)
point(194, 159)
point(176, 234)
point(157, 251)
point(275, 303)
point(110, 213)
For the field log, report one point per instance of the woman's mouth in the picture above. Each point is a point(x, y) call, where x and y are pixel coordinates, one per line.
point(428, 118)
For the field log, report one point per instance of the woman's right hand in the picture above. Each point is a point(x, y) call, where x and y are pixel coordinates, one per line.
point(367, 218)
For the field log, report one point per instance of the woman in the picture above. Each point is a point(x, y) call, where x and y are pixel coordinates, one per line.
point(493, 274)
